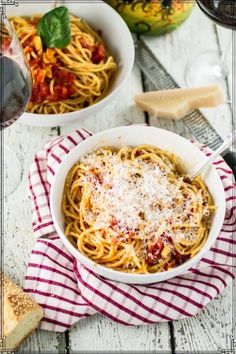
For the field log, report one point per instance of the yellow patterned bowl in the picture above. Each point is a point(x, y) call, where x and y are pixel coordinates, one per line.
point(152, 17)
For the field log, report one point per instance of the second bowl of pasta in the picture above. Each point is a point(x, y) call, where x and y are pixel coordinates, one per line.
point(121, 204)
point(78, 61)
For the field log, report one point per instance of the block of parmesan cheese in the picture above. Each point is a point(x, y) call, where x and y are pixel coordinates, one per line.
point(176, 103)
point(21, 314)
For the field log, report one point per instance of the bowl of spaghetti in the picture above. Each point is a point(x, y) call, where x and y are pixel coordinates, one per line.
point(122, 207)
point(72, 79)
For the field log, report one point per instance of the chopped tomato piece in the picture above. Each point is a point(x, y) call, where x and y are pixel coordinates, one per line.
point(71, 90)
point(113, 222)
point(39, 92)
point(44, 89)
point(58, 90)
point(154, 252)
point(98, 54)
point(53, 97)
point(64, 92)
point(63, 82)
point(166, 238)
point(33, 62)
point(61, 91)
point(179, 258)
point(28, 42)
point(84, 43)
point(166, 266)
point(71, 77)
point(40, 75)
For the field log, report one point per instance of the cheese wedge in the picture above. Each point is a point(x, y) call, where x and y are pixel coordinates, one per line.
point(176, 103)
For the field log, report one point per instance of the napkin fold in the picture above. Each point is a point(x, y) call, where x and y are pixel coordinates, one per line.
point(68, 291)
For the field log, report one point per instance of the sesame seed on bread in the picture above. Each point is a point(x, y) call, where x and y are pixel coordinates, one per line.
point(21, 314)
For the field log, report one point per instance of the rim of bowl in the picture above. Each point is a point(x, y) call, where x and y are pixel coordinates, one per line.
point(110, 95)
point(129, 277)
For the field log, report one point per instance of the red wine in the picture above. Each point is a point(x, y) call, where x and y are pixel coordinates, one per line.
point(15, 91)
point(223, 12)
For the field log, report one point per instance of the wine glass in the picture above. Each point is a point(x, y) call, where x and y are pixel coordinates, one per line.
point(208, 68)
point(15, 92)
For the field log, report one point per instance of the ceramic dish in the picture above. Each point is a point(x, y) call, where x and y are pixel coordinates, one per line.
point(117, 38)
point(134, 136)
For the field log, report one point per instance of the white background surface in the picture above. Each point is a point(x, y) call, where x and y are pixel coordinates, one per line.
point(211, 328)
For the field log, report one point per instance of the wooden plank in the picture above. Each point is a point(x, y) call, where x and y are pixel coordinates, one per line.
point(18, 235)
point(98, 332)
point(101, 334)
point(209, 329)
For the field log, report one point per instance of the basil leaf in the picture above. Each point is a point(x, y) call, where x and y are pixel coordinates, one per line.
point(54, 28)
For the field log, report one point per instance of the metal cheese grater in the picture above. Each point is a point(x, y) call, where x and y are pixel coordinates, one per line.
point(195, 121)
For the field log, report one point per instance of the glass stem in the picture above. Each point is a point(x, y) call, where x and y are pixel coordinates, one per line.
point(223, 60)
point(224, 56)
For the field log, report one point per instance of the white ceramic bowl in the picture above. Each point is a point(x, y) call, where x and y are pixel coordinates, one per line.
point(116, 36)
point(133, 136)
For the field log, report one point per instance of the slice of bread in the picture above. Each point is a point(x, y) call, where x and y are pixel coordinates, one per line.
point(21, 314)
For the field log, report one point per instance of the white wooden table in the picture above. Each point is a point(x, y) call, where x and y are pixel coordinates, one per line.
point(211, 328)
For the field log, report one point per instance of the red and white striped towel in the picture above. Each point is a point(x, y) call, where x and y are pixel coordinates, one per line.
point(69, 292)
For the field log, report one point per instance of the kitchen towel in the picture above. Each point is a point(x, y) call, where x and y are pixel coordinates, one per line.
point(68, 291)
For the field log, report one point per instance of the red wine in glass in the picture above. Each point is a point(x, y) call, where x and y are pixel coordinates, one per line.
point(222, 12)
point(15, 91)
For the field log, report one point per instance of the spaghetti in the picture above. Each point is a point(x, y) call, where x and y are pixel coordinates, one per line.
point(131, 209)
point(68, 79)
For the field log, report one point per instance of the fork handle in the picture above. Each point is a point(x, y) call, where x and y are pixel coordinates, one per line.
point(230, 159)
point(222, 148)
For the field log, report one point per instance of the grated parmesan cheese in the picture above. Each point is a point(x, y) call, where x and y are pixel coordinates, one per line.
point(139, 197)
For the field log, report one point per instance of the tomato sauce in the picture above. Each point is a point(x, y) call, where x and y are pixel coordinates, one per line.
point(63, 84)
point(98, 53)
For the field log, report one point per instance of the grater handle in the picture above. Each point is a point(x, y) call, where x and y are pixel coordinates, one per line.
point(230, 159)
point(229, 155)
